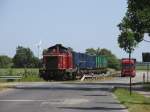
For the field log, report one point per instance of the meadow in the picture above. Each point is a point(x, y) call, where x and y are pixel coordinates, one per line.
point(28, 74)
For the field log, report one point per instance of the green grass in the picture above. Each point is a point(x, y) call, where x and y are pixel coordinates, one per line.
point(29, 74)
point(146, 86)
point(141, 67)
point(135, 102)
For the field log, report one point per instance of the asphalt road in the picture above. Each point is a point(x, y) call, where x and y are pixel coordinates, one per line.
point(61, 97)
point(125, 80)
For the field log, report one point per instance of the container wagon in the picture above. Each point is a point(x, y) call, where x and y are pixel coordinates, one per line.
point(87, 64)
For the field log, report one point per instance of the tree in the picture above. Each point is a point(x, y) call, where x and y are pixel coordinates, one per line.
point(113, 61)
point(90, 51)
point(138, 22)
point(5, 61)
point(139, 14)
point(127, 41)
point(24, 57)
point(134, 25)
point(98, 50)
point(105, 52)
point(137, 19)
point(36, 62)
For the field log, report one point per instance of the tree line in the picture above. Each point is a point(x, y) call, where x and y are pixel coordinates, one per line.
point(25, 58)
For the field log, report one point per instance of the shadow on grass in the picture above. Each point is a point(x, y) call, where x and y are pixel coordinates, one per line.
point(109, 103)
point(131, 103)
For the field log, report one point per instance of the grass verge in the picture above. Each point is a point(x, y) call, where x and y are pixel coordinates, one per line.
point(1, 88)
point(146, 86)
point(28, 74)
point(135, 102)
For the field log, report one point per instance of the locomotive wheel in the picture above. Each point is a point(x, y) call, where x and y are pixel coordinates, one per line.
point(45, 77)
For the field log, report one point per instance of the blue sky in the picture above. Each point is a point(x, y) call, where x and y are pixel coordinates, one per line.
point(79, 24)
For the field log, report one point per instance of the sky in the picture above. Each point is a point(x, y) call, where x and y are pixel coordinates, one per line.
point(78, 24)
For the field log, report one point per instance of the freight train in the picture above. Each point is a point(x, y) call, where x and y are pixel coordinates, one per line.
point(60, 63)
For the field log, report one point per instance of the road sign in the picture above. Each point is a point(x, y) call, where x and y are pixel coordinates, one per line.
point(146, 57)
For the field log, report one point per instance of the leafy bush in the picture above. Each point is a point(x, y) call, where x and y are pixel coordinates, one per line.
point(5, 61)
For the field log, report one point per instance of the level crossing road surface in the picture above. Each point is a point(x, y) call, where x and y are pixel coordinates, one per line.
point(63, 97)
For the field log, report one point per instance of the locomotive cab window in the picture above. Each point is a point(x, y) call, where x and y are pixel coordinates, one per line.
point(128, 66)
point(51, 62)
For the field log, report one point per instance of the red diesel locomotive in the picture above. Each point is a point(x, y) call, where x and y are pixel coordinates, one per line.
point(57, 61)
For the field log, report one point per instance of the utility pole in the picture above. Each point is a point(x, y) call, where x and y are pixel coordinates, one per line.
point(147, 72)
point(130, 74)
point(129, 67)
point(38, 48)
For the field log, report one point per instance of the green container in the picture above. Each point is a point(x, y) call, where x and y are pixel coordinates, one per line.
point(101, 61)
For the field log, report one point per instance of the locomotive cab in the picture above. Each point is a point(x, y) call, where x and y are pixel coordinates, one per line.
point(57, 62)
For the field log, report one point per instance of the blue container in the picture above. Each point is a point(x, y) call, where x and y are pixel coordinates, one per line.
point(75, 59)
point(84, 61)
point(90, 62)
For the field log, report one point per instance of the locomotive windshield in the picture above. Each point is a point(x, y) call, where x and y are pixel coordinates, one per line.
point(51, 62)
point(126, 66)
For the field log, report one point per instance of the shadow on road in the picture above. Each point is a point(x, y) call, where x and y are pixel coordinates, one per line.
point(66, 88)
point(82, 86)
point(111, 84)
point(92, 108)
point(95, 95)
point(109, 102)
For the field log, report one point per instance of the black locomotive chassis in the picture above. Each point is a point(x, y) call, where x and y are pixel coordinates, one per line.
point(56, 74)
point(71, 74)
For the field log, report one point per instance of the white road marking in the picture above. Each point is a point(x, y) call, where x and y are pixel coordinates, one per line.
point(65, 102)
point(51, 101)
point(22, 100)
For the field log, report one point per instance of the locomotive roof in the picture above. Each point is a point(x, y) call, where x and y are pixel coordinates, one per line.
point(59, 46)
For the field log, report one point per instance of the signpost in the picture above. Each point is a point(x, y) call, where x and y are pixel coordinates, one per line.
point(128, 70)
point(146, 60)
point(147, 72)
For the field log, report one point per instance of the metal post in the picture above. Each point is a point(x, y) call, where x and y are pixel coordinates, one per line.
point(130, 85)
point(147, 72)
point(38, 51)
point(130, 74)
point(143, 78)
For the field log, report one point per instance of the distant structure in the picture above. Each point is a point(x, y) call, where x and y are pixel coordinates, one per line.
point(39, 48)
